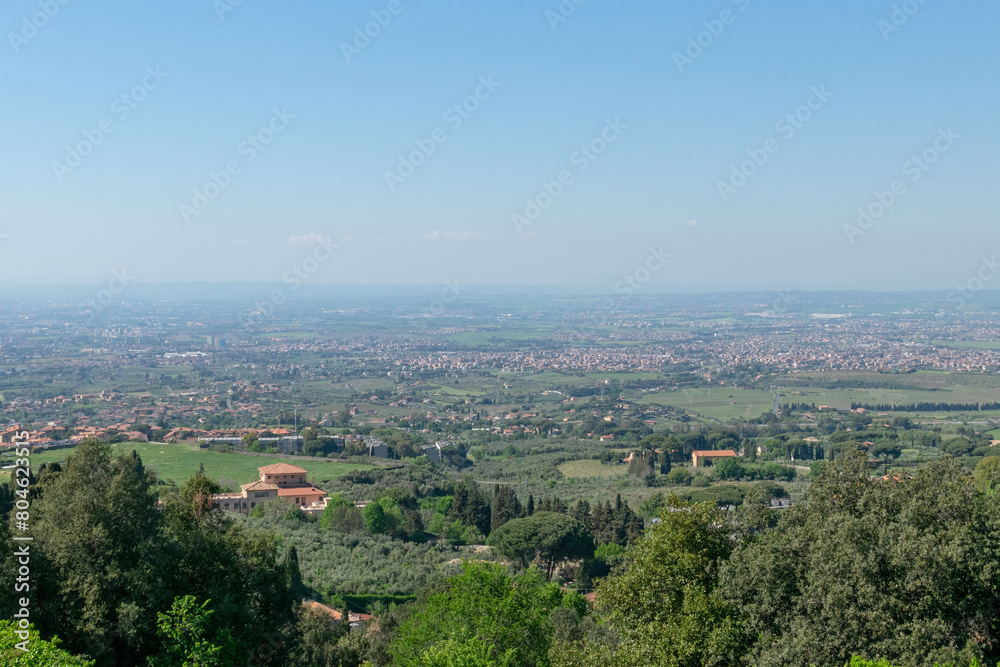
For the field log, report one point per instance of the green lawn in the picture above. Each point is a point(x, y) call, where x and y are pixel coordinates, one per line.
point(716, 403)
point(180, 461)
point(842, 398)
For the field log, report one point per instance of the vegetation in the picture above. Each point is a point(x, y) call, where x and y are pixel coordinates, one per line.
point(178, 461)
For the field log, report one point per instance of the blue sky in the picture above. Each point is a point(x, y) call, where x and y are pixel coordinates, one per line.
point(228, 72)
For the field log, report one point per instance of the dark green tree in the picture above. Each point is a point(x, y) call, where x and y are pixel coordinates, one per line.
point(899, 569)
point(548, 536)
point(471, 506)
point(664, 607)
point(505, 507)
point(97, 532)
point(482, 617)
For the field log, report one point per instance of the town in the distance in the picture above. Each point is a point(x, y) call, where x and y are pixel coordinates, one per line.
point(391, 441)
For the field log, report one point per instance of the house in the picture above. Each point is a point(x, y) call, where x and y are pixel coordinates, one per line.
point(283, 474)
point(357, 621)
point(8, 435)
point(336, 618)
point(250, 496)
point(433, 452)
point(701, 458)
point(377, 448)
point(280, 480)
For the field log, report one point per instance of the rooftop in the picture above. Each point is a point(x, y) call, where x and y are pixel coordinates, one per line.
point(282, 469)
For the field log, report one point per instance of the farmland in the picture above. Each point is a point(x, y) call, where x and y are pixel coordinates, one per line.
point(716, 403)
point(583, 469)
point(177, 462)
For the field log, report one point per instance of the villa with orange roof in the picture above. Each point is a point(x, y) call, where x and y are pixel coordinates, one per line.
point(280, 480)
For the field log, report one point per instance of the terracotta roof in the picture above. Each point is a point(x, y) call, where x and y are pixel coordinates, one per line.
point(281, 469)
point(300, 491)
point(712, 454)
point(258, 486)
point(320, 607)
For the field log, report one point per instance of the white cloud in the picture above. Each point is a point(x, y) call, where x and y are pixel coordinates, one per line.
point(438, 235)
point(316, 237)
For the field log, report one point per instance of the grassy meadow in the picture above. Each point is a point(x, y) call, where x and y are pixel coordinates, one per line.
point(180, 461)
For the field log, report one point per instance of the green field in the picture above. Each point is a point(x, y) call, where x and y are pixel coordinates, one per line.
point(720, 403)
point(922, 380)
point(180, 461)
point(590, 468)
point(842, 398)
point(969, 344)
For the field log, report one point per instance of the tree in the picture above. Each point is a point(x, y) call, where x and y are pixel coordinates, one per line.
point(664, 607)
point(375, 519)
point(482, 617)
point(987, 474)
point(505, 507)
point(679, 477)
point(548, 536)
point(471, 506)
point(341, 515)
point(40, 653)
point(184, 633)
point(581, 512)
point(320, 641)
point(194, 500)
point(97, 530)
point(957, 447)
point(729, 469)
point(664, 462)
point(638, 467)
point(246, 579)
point(293, 576)
point(878, 569)
point(887, 450)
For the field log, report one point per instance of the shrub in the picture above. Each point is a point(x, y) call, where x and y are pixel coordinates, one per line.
point(679, 477)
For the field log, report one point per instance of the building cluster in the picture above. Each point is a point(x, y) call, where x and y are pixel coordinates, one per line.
point(280, 480)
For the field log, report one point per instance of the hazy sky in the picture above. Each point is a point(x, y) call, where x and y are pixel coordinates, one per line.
point(116, 113)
